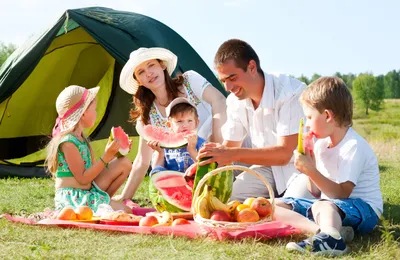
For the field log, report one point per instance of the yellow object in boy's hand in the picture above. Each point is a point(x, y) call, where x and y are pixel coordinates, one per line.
point(300, 147)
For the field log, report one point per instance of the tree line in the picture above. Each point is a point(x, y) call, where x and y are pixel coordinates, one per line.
point(368, 90)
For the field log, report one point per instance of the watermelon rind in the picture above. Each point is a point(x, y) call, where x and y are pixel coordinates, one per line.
point(163, 143)
point(159, 200)
point(221, 184)
point(122, 151)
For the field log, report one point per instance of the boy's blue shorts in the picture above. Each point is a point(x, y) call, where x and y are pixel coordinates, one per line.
point(357, 213)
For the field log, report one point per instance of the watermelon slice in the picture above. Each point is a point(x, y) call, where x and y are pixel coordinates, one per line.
point(166, 139)
point(119, 133)
point(169, 191)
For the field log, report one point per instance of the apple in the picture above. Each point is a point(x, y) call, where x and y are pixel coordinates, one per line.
point(220, 215)
point(262, 206)
point(148, 221)
point(180, 221)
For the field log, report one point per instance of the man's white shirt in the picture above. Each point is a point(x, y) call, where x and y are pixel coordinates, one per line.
point(277, 115)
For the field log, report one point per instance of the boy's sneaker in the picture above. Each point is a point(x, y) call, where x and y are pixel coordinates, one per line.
point(325, 243)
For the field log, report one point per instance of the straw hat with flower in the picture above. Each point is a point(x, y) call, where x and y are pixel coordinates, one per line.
point(137, 57)
point(71, 103)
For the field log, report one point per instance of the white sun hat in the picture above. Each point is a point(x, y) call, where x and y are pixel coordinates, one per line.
point(137, 57)
point(71, 103)
point(175, 102)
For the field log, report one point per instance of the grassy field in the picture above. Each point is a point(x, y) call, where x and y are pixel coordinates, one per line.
point(26, 196)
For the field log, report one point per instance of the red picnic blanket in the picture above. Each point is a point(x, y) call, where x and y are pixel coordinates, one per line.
point(263, 231)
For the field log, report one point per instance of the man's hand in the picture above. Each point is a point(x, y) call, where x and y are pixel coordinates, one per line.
point(218, 153)
point(305, 163)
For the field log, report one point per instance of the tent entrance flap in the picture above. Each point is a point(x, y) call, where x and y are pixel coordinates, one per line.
point(26, 129)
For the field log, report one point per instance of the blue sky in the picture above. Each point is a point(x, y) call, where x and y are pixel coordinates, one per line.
point(295, 37)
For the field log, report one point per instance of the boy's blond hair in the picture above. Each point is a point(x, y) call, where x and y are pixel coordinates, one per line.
point(330, 93)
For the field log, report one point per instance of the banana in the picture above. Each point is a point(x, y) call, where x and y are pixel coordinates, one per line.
point(233, 205)
point(202, 203)
point(216, 204)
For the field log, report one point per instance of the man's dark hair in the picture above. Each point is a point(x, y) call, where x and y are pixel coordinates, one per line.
point(239, 51)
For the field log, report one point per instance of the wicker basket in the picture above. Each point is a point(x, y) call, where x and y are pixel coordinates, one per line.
point(226, 224)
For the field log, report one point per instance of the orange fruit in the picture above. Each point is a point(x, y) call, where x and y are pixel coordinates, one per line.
point(240, 208)
point(67, 213)
point(247, 215)
point(84, 213)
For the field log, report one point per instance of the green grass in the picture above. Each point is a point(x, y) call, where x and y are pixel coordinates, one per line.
point(26, 196)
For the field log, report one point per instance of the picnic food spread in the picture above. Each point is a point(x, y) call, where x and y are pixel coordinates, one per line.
point(209, 206)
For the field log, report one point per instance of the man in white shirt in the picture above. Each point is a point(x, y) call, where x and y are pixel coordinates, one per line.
point(264, 109)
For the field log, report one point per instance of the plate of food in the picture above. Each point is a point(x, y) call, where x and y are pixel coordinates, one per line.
point(120, 219)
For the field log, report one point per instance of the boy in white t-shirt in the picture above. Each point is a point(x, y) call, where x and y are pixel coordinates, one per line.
point(342, 170)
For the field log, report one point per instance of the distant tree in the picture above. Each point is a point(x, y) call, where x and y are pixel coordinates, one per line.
point(304, 79)
point(315, 77)
point(367, 93)
point(392, 84)
point(347, 78)
point(5, 51)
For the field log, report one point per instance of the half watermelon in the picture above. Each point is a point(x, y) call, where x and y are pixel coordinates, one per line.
point(169, 191)
point(167, 139)
point(119, 133)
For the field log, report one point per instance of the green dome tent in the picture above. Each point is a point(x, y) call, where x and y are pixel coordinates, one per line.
point(86, 47)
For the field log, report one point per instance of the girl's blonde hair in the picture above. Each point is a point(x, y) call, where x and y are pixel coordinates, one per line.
point(52, 151)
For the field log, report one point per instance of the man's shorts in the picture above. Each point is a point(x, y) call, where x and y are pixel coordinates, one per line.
point(357, 213)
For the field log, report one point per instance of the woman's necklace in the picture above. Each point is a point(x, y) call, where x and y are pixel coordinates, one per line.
point(162, 105)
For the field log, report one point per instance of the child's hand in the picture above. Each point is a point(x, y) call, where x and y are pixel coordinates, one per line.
point(155, 145)
point(304, 163)
point(192, 140)
point(112, 148)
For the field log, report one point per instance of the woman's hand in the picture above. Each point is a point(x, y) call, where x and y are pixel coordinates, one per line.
point(305, 163)
point(155, 145)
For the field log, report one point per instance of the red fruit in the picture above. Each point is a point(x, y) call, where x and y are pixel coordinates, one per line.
point(262, 206)
point(220, 215)
point(180, 221)
point(148, 221)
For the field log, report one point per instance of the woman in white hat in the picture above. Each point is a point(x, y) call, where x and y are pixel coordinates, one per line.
point(81, 180)
point(147, 76)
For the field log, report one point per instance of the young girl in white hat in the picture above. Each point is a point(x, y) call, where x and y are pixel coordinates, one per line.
point(80, 180)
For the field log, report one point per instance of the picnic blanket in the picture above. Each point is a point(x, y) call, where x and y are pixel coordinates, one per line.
point(263, 231)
